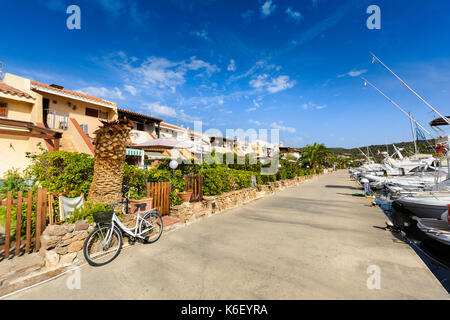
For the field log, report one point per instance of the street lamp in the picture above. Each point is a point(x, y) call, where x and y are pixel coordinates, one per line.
point(173, 165)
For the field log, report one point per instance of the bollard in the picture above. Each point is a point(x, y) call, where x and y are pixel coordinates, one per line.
point(366, 184)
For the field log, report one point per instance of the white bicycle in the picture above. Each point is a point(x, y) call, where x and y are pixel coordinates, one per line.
point(103, 245)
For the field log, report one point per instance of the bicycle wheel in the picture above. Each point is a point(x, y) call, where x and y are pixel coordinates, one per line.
point(96, 251)
point(151, 227)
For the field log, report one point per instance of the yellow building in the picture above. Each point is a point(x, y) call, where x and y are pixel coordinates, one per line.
point(33, 112)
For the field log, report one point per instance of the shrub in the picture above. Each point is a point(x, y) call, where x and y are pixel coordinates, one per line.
point(85, 212)
point(221, 179)
point(14, 182)
point(61, 171)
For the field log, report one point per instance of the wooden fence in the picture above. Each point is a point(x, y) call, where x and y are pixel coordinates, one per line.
point(25, 212)
point(160, 192)
point(194, 183)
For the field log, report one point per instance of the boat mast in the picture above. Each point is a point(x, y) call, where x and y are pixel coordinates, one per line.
point(413, 134)
point(395, 104)
point(422, 99)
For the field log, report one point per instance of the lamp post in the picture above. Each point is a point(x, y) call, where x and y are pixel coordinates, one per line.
point(173, 165)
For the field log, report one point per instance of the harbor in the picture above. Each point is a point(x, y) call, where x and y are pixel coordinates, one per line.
point(312, 241)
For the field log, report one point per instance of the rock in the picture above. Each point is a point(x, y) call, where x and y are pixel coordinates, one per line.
point(75, 246)
point(69, 227)
point(61, 250)
point(80, 256)
point(49, 242)
point(81, 225)
point(51, 258)
point(68, 236)
point(67, 259)
point(81, 235)
point(55, 230)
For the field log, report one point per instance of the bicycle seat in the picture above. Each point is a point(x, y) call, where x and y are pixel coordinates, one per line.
point(141, 206)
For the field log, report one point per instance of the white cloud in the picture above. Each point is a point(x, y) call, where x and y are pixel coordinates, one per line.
point(296, 15)
point(267, 8)
point(202, 34)
point(160, 73)
point(353, 73)
point(255, 122)
point(232, 65)
point(281, 127)
point(247, 14)
point(157, 108)
point(102, 92)
point(272, 85)
point(313, 106)
point(132, 90)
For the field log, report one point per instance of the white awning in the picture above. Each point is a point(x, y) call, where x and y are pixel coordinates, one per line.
point(166, 144)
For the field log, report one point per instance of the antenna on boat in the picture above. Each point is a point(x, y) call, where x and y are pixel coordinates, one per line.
point(422, 99)
point(366, 82)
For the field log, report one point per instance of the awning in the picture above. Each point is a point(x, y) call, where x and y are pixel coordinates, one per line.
point(134, 152)
point(439, 122)
point(166, 144)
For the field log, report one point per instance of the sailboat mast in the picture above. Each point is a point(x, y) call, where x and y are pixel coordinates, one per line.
point(422, 99)
point(413, 133)
point(398, 107)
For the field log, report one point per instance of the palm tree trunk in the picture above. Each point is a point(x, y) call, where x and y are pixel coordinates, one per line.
point(110, 143)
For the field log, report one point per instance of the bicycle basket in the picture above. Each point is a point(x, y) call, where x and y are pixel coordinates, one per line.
point(102, 216)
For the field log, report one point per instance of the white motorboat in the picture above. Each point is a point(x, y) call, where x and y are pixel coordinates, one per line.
point(433, 205)
point(436, 229)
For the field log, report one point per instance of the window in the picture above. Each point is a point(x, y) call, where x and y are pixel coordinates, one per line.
point(92, 112)
point(3, 109)
point(139, 126)
point(103, 115)
point(85, 128)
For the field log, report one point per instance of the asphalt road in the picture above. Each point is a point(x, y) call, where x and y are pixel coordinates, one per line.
point(313, 241)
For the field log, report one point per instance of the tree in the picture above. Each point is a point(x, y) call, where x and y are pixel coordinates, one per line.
point(110, 143)
point(316, 155)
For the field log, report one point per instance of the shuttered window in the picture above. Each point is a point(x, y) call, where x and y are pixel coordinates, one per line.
point(3, 109)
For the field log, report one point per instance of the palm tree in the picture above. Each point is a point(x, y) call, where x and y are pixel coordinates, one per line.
point(110, 143)
point(315, 155)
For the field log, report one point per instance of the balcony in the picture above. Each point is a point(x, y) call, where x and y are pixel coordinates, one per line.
point(57, 120)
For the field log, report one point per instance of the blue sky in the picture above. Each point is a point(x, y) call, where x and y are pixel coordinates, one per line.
point(290, 65)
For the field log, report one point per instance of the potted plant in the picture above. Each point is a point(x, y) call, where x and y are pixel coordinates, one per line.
point(185, 195)
point(136, 198)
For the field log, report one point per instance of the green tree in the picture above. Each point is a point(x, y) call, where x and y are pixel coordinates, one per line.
point(316, 155)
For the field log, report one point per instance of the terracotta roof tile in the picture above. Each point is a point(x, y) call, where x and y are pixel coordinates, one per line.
point(138, 114)
point(11, 90)
point(171, 126)
point(73, 93)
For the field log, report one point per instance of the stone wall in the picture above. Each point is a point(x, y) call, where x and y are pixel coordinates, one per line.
point(62, 245)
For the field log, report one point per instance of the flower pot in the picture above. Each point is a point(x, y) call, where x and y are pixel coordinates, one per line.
point(133, 203)
point(185, 196)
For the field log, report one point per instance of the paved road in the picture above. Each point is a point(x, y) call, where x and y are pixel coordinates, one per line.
point(314, 241)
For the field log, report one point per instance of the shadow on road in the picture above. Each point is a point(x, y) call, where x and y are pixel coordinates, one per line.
point(341, 187)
